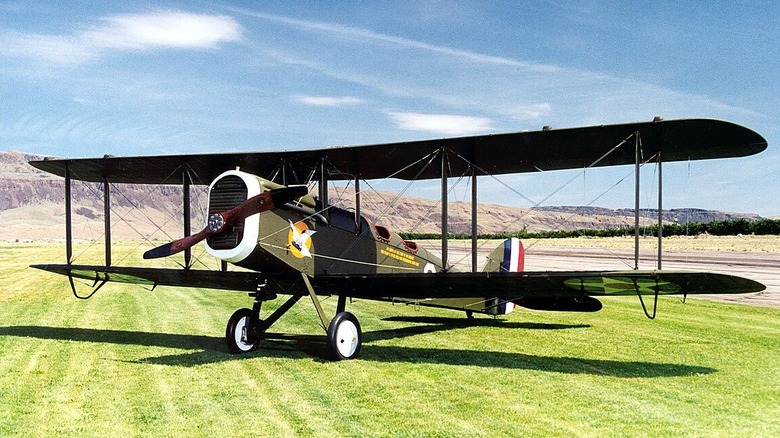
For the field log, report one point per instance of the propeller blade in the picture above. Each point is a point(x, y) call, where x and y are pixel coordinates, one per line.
point(177, 245)
point(219, 222)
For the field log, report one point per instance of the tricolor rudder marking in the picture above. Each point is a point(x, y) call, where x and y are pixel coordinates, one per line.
point(514, 256)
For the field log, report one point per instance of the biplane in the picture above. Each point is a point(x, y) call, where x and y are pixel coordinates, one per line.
point(262, 218)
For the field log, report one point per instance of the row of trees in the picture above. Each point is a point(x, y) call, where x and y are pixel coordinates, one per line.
point(715, 228)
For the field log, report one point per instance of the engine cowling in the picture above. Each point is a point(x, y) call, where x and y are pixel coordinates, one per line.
point(225, 192)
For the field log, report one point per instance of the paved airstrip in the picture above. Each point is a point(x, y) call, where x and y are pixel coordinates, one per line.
point(759, 266)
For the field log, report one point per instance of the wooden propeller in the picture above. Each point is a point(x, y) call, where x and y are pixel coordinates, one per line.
point(219, 222)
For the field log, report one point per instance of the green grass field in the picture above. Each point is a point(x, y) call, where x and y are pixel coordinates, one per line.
point(130, 362)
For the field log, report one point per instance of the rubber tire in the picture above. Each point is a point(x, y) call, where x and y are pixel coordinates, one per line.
point(233, 332)
point(344, 336)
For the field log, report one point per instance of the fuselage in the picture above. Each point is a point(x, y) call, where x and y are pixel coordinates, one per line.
point(305, 236)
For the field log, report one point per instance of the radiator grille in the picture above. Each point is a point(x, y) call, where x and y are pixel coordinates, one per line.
point(227, 193)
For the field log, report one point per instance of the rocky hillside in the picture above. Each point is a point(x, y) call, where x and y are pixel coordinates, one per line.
point(675, 215)
point(31, 207)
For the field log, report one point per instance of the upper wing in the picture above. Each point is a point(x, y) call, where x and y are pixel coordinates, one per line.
point(679, 140)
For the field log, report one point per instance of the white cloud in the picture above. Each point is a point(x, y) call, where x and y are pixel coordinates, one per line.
point(164, 29)
point(462, 81)
point(327, 100)
point(366, 35)
point(529, 112)
point(126, 32)
point(52, 48)
point(442, 123)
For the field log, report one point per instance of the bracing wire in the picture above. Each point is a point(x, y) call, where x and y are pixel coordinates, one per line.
point(554, 192)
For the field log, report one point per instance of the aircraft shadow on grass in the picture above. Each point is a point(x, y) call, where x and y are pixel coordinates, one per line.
point(212, 349)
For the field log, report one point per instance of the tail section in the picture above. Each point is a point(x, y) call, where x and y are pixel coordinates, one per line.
point(510, 257)
point(507, 257)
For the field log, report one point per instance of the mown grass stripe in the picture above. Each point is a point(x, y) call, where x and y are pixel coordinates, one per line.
point(131, 362)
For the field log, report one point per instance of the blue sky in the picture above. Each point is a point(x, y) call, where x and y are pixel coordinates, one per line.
point(92, 78)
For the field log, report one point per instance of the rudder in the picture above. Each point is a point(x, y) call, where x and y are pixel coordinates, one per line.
point(509, 256)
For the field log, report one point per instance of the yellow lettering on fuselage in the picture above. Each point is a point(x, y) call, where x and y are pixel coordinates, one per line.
point(399, 255)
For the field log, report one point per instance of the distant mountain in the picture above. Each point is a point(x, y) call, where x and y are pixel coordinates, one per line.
point(32, 207)
point(675, 215)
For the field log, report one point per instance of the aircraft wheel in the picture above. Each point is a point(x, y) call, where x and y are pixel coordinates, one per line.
point(344, 336)
point(238, 333)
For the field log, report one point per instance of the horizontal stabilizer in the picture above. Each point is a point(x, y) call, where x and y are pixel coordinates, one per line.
point(560, 304)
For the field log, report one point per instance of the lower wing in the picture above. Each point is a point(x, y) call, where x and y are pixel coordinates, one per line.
point(234, 280)
point(509, 285)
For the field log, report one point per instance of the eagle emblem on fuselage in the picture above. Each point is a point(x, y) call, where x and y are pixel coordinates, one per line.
point(299, 239)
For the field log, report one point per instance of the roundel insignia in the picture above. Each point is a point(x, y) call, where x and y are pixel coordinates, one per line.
point(299, 240)
point(622, 285)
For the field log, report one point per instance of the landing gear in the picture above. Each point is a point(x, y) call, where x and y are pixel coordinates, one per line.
point(245, 329)
point(239, 332)
point(344, 336)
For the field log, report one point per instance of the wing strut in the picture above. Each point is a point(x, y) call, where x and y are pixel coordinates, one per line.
point(637, 152)
point(444, 212)
point(660, 212)
point(474, 209)
point(661, 141)
point(637, 164)
point(186, 181)
point(68, 217)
